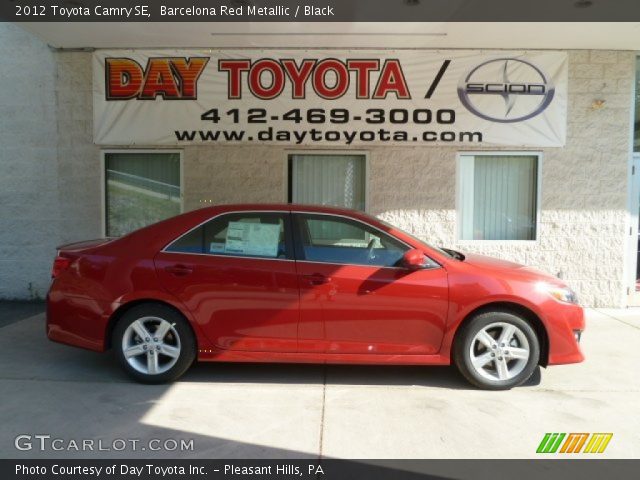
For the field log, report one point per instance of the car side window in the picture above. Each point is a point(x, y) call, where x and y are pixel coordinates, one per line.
point(330, 239)
point(188, 243)
point(245, 234)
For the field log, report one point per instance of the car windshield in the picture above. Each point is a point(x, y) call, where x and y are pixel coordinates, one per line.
point(443, 251)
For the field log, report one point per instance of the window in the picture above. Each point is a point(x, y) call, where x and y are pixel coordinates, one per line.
point(340, 240)
point(140, 189)
point(498, 196)
point(324, 179)
point(251, 234)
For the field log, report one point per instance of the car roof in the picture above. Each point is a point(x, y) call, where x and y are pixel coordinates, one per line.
point(287, 207)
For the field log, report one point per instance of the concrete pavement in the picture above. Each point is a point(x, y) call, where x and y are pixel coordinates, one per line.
point(309, 411)
point(14, 311)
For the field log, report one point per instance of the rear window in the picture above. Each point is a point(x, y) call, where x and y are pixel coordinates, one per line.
point(251, 234)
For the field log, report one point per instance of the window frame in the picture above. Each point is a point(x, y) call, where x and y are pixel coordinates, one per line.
point(299, 245)
point(288, 236)
point(103, 177)
point(499, 153)
point(635, 117)
point(287, 188)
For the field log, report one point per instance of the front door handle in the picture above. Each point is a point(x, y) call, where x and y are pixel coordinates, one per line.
point(317, 279)
point(178, 270)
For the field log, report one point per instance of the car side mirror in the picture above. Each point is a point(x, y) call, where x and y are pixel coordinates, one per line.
point(413, 259)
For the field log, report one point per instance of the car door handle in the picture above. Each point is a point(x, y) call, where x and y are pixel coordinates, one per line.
point(178, 270)
point(317, 279)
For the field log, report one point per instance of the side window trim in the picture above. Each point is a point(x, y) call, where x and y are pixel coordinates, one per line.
point(288, 236)
point(298, 222)
point(298, 240)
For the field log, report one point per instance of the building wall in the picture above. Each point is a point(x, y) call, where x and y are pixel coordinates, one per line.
point(49, 167)
point(79, 160)
point(50, 182)
point(29, 212)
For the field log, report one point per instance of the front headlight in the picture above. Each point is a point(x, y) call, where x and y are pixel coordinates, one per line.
point(562, 294)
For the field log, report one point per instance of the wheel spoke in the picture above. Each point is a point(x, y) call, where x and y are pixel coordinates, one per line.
point(502, 369)
point(152, 363)
point(482, 360)
point(144, 356)
point(170, 350)
point(162, 330)
point(134, 351)
point(486, 339)
point(140, 329)
point(507, 334)
point(518, 353)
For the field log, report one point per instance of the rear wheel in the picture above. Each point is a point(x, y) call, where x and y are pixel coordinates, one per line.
point(154, 343)
point(497, 350)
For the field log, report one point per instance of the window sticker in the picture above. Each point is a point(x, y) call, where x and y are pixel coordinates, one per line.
point(260, 239)
point(216, 247)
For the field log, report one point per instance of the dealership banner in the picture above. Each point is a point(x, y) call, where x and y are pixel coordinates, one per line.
point(330, 98)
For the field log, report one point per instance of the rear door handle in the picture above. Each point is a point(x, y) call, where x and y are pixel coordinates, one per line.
point(317, 279)
point(178, 270)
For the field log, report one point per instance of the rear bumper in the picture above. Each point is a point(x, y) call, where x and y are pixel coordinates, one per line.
point(77, 321)
point(563, 324)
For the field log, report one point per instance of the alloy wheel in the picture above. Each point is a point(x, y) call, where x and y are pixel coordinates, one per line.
point(499, 352)
point(151, 345)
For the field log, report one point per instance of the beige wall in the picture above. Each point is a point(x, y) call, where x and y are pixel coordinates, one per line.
point(583, 214)
point(49, 168)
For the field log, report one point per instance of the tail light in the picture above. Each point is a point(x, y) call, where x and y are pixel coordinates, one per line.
point(60, 264)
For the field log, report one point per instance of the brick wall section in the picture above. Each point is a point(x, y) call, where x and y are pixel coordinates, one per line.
point(51, 175)
point(79, 160)
point(28, 163)
point(242, 175)
point(49, 167)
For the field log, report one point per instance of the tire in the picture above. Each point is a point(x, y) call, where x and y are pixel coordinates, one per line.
point(173, 347)
point(506, 366)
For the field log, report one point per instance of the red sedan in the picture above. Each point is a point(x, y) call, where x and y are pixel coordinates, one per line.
point(307, 284)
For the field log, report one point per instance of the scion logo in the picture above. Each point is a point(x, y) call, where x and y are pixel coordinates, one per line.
point(506, 90)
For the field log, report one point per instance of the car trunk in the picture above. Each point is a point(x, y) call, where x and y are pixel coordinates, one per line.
point(83, 245)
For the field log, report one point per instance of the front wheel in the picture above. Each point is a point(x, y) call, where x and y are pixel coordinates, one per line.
point(154, 343)
point(497, 350)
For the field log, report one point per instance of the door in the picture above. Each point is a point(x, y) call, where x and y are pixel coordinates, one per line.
point(237, 276)
point(354, 296)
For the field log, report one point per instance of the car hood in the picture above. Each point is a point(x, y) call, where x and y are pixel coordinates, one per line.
point(496, 264)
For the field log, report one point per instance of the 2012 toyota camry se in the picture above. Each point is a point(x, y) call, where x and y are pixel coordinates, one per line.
point(306, 284)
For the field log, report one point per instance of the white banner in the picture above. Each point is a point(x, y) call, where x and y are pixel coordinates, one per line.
point(330, 98)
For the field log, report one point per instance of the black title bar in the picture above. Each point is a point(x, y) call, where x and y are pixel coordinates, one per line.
point(320, 10)
point(318, 469)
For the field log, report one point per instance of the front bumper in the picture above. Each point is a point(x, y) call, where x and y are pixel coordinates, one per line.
point(565, 325)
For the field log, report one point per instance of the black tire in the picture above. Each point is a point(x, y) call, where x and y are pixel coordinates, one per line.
point(180, 337)
point(462, 350)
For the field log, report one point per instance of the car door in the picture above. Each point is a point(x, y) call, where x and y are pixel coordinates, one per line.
point(236, 275)
point(355, 298)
